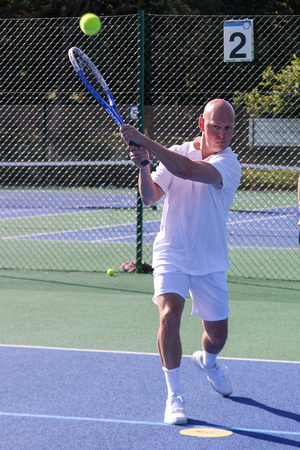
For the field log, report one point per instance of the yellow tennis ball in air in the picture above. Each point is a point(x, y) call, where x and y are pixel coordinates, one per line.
point(90, 24)
point(110, 272)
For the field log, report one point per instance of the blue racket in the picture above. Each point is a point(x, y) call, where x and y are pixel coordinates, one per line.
point(95, 83)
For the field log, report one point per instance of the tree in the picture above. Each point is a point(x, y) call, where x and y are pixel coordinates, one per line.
point(278, 95)
point(47, 8)
point(75, 8)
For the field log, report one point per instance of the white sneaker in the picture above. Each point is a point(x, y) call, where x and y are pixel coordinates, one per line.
point(174, 413)
point(216, 375)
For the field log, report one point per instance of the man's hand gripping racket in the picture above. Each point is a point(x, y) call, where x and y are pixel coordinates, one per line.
point(96, 85)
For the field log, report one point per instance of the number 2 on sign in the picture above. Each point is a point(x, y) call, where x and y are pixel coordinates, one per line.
point(238, 40)
point(234, 52)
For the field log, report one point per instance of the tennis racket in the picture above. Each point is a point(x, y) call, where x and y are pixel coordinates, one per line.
point(96, 85)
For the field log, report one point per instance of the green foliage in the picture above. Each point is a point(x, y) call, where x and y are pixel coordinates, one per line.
point(75, 8)
point(278, 94)
point(48, 8)
point(271, 179)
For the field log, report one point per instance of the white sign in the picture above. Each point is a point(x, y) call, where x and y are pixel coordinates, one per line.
point(133, 112)
point(238, 40)
point(274, 132)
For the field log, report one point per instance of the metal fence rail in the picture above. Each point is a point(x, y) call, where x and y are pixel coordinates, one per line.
point(68, 191)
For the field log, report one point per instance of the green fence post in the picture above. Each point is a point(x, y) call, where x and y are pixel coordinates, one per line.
point(44, 130)
point(140, 74)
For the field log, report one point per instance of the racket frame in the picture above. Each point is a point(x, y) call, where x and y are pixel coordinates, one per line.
point(111, 106)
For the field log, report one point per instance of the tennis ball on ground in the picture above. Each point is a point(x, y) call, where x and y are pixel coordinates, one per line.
point(110, 272)
point(90, 24)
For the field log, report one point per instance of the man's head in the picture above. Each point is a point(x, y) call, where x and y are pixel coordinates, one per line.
point(217, 125)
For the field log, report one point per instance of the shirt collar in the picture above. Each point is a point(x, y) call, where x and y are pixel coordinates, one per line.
point(197, 151)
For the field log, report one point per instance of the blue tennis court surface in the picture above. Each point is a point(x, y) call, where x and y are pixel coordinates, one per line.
point(274, 227)
point(30, 203)
point(76, 399)
point(117, 233)
point(246, 229)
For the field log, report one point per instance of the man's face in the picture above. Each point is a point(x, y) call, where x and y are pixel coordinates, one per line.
point(217, 126)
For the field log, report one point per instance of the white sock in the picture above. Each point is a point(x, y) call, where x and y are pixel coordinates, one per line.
point(173, 380)
point(209, 360)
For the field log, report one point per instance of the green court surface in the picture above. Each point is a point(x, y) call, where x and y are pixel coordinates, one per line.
point(64, 229)
point(95, 311)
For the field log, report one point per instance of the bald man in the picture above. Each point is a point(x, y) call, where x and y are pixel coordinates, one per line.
point(190, 253)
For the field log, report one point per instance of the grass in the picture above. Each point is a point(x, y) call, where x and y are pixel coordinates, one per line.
point(269, 179)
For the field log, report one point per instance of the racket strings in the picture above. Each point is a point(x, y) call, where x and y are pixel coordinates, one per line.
point(95, 80)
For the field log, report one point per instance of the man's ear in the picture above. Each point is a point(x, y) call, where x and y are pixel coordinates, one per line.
point(201, 123)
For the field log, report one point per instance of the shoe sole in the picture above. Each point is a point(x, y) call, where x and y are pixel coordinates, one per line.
point(221, 393)
point(179, 421)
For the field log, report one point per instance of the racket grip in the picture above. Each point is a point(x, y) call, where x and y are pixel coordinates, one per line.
point(146, 161)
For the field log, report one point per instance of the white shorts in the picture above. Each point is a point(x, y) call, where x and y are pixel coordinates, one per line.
point(209, 292)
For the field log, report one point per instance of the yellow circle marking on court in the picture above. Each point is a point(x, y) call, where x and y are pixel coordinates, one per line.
point(206, 432)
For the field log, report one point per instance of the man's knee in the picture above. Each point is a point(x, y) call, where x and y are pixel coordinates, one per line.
point(170, 310)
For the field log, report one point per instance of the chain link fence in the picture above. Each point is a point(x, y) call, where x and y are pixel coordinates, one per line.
point(68, 191)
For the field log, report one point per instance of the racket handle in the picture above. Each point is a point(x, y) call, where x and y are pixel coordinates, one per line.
point(146, 161)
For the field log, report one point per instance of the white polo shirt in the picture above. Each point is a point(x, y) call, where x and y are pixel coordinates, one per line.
point(193, 235)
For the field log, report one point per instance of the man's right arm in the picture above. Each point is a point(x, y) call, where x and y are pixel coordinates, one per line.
point(150, 192)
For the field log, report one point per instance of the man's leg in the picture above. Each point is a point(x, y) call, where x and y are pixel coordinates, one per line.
point(214, 336)
point(213, 340)
point(169, 346)
point(168, 339)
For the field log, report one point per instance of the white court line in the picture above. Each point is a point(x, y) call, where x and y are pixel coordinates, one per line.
point(81, 230)
point(137, 422)
point(37, 347)
point(77, 230)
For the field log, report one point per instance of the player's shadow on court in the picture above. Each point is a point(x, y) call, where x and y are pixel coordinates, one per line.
point(279, 412)
point(260, 435)
point(251, 434)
